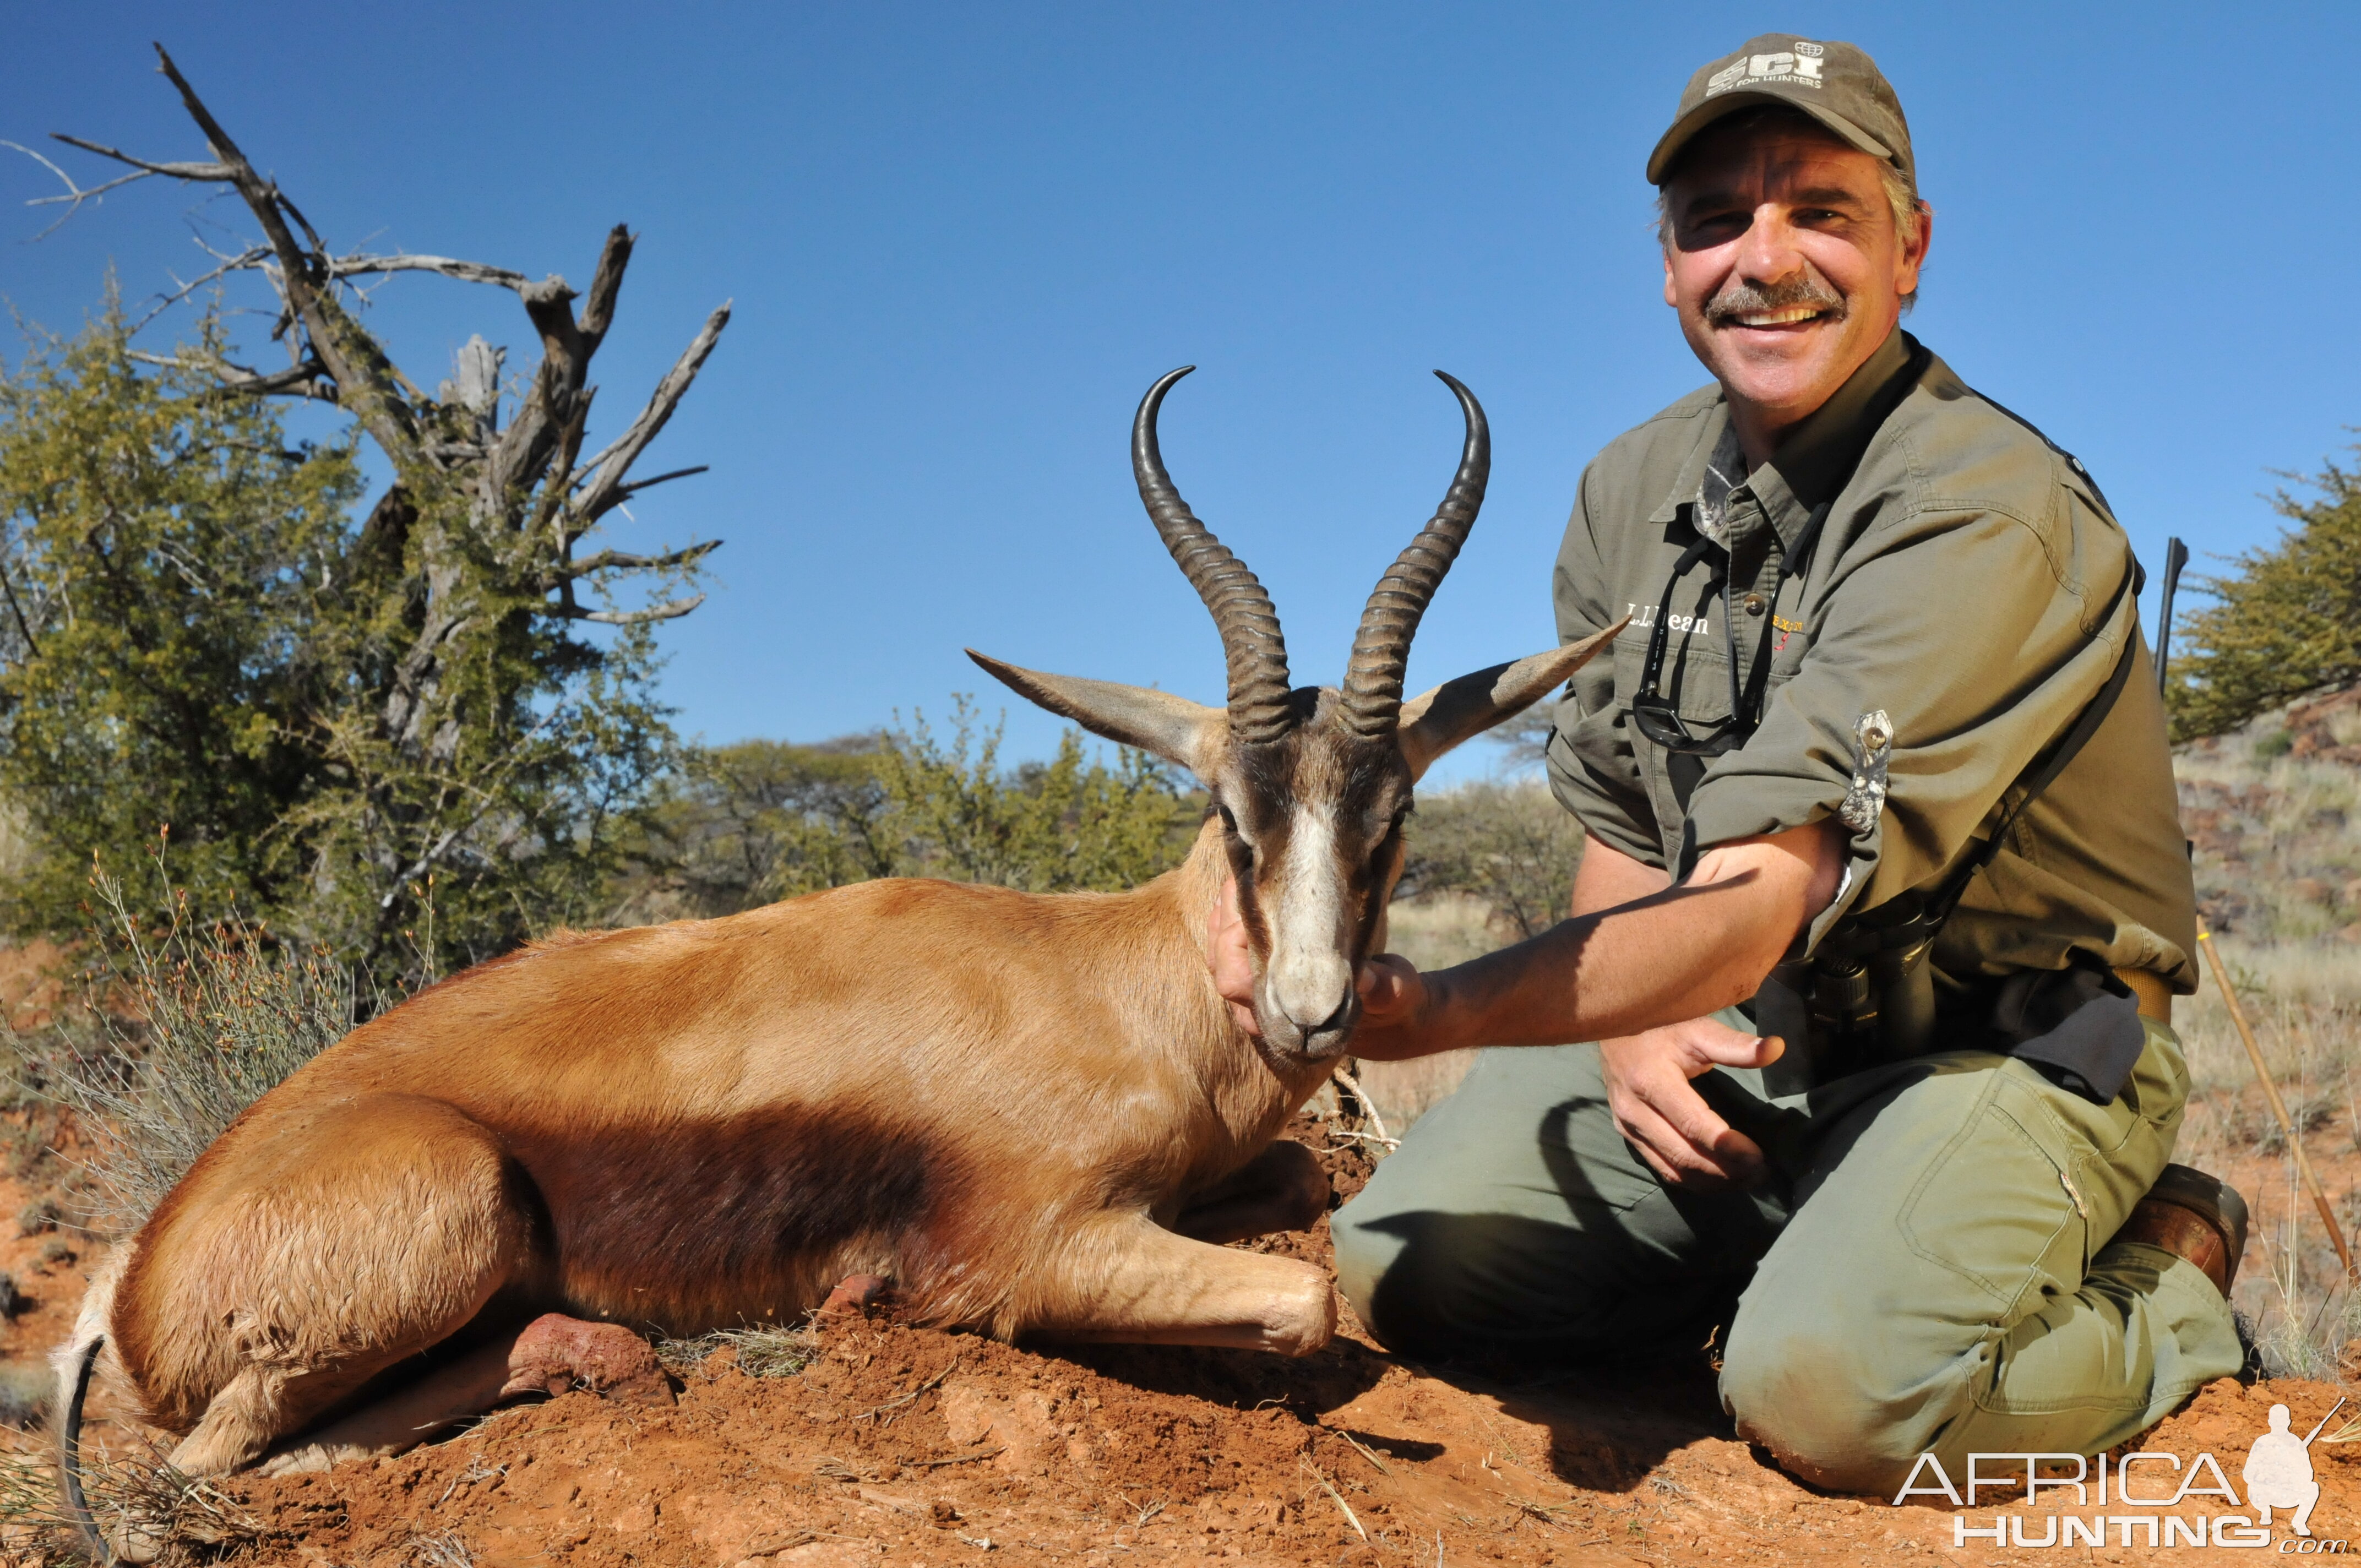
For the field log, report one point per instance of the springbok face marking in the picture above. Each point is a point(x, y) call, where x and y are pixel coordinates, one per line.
point(1312, 784)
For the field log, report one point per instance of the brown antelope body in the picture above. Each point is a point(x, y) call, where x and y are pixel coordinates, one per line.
point(1035, 1115)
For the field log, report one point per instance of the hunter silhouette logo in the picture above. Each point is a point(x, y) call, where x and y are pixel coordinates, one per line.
point(2278, 1472)
point(2276, 1476)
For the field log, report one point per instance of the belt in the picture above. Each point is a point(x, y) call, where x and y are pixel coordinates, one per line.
point(2154, 997)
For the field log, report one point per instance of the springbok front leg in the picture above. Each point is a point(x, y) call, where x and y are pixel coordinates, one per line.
point(1282, 1188)
point(1127, 1278)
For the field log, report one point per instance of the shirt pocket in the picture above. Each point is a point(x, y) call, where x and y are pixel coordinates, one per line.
point(1696, 680)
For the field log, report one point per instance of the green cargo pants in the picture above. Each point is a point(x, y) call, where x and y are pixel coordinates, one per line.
point(1927, 1268)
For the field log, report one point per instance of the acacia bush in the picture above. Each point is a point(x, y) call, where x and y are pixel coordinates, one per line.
point(167, 560)
point(2285, 621)
point(744, 825)
point(409, 736)
point(197, 633)
point(1505, 842)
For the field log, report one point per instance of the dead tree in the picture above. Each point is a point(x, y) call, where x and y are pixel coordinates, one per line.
point(470, 557)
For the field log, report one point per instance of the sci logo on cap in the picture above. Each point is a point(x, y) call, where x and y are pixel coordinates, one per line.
point(1799, 64)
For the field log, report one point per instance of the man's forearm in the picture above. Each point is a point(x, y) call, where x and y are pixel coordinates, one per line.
point(1608, 877)
point(1671, 956)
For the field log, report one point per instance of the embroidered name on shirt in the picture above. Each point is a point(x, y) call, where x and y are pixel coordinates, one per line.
point(1643, 619)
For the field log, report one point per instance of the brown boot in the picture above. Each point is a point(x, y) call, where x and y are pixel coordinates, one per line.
point(2191, 1214)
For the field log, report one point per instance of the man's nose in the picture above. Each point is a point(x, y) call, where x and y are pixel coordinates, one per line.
point(1767, 251)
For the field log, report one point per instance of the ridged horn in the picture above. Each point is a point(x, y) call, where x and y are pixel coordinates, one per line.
point(1242, 610)
point(1373, 681)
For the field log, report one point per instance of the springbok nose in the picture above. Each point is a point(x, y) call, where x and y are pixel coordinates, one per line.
point(1312, 989)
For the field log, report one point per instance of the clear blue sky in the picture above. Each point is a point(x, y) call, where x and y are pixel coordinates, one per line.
point(962, 239)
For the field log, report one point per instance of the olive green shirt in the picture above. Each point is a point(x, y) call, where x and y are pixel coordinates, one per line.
point(1969, 581)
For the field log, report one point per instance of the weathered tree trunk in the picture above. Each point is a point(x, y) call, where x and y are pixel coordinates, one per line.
point(466, 571)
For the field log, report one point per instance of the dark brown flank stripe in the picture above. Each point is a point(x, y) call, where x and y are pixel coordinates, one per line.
point(734, 1206)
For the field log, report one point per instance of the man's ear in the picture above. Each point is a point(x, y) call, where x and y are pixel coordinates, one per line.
point(1185, 733)
point(1451, 712)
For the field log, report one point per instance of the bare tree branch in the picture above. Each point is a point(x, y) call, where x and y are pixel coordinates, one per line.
point(605, 486)
point(618, 560)
point(23, 627)
point(636, 486)
point(305, 379)
point(449, 267)
point(668, 611)
point(287, 204)
point(245, 260)
point(74, 194)
point(366, 381)
point(599, 305)
point(216, 173)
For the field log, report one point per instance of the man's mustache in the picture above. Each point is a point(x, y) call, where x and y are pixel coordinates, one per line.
point(1741, 298)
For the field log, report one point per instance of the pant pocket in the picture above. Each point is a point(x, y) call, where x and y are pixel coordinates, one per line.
point(1999, 1206)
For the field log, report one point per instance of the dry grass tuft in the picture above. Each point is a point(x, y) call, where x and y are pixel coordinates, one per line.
point(448, 1549)
point(188, 1028)
point(759, 1352)
point(2304, 1002)
point(132, 1494)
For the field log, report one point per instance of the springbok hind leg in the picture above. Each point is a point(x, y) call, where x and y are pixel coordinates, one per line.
point(1128, 1280)
point(368, 1235)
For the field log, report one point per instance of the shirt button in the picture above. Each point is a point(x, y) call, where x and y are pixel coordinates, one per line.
point(1754, 603)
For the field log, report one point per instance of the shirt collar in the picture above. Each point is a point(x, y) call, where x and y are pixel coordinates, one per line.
point(1710, 432)
point(1814, 459)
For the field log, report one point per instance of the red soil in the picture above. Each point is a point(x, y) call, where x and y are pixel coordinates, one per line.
point(903, 1445)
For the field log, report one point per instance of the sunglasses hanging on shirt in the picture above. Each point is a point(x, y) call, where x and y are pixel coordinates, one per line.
point(1659, 717)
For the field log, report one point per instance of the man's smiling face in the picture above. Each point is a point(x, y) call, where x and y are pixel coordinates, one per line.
point(1786, 264)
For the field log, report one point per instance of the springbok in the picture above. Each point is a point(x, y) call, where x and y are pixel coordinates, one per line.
point(1034, 1114)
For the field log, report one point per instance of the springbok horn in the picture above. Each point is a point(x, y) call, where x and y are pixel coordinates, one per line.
point(1373, 682)
point(1242, 610)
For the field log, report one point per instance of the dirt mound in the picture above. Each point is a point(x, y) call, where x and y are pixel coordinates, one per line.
point(899, 1445)
point(912, 1445)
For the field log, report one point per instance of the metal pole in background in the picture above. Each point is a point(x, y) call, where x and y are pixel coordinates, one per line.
point(2279, 1107)
point(2176, 556)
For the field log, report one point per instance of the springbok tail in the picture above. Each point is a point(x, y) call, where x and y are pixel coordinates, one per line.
point(77, 1506)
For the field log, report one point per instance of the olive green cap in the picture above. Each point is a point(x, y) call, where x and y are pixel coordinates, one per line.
point(1836, 84)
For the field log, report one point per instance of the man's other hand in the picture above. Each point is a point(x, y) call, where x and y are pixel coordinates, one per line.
point(1231, 958)
point(1669, 1122)
point(1397, 1012)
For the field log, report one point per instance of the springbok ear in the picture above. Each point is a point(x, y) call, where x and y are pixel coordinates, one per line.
point(1186, 733)
point(1451, 712)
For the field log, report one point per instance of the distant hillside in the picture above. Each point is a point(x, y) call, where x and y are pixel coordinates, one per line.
point(2274, 809)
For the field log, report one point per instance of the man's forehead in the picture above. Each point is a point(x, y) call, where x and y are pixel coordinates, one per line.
point(1803, 165)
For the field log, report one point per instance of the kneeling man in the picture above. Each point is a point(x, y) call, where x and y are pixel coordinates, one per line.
point(1885, 898)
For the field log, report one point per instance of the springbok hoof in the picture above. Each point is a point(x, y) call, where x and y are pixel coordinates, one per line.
point(557, 1353)
point(856, 1296)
